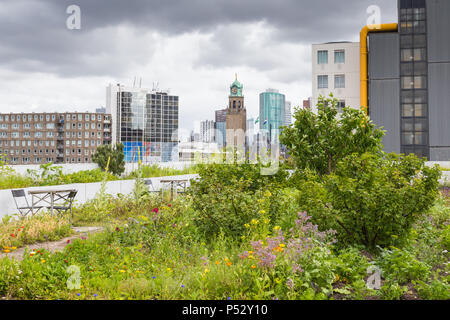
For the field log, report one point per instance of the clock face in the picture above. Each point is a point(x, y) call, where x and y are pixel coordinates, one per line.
point(234, 90)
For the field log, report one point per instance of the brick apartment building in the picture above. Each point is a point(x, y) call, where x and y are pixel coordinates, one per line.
point(36, 138)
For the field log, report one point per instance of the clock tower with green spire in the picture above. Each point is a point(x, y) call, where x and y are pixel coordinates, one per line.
point(236, 122)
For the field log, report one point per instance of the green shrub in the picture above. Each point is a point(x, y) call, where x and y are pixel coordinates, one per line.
point(111, 155)
point(227, 197)
point(392, 291)
point(402, 266)
point(435, 290)
point(319, 141)
point(372, 201)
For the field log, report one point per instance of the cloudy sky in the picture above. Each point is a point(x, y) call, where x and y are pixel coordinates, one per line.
point(192, 47)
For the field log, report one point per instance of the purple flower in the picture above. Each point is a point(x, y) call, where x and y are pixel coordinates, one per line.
point(205, 260)
point(182, 286)
point(290, 284)
point(78, 294)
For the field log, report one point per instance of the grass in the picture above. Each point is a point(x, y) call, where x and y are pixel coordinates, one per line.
point(15, 233)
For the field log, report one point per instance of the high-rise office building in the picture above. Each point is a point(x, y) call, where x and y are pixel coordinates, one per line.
point(272, 106)
point(38, 138)
point(236, 118)
point(145, 121)
point(207, 131)
point(287, 113)
point(250, 134)
point(220, 125)
point(335, 69)
point(409, 80)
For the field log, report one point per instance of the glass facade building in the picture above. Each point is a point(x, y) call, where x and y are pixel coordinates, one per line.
point(221, 124)
point(271, 111)
point(146, 122)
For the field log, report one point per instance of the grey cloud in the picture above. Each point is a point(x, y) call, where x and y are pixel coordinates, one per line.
point(34, 35)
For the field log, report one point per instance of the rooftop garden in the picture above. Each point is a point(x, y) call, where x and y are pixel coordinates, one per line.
point(351, 223)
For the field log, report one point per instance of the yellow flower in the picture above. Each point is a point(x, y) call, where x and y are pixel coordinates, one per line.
point(229, 263)
point(122, 271)
point(247, 225)
point(277, 280)
point(13, 248)
point(32, 254)
point(253, 267)
point(262, 211)
point(254, 221)
point(43, 261)
point(206, 270)
point(225, 259)
point(250, 257)
point(169, 269)
point(276, 228)
point(217, 262)
point(6, 251)
point(266, 221)
point(267, 193)
point(282, 245)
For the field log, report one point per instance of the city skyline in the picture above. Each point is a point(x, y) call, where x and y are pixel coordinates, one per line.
point(45, 66)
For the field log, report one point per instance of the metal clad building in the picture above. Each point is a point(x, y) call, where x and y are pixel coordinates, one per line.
point(409, 80)
point(384, 86)
point(438, 25)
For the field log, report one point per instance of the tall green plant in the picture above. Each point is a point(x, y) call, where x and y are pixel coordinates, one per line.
point(140, 190)
point(319, 141)
point(116, 157)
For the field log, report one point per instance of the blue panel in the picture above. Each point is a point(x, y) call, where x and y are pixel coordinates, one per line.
point(132, 150)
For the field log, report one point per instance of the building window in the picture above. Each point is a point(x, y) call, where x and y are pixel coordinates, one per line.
point(417, 54)
point(322, 57)
point(322, 82)
point(339, 56)
point(416, 82)
point(339, 81)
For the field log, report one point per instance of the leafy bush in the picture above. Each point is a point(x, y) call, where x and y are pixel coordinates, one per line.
point(227, 197)
point(402, 266)
point(112, 155)
point(392, 291)
point(319, 142)
point(372, 201)
point(435, 290)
